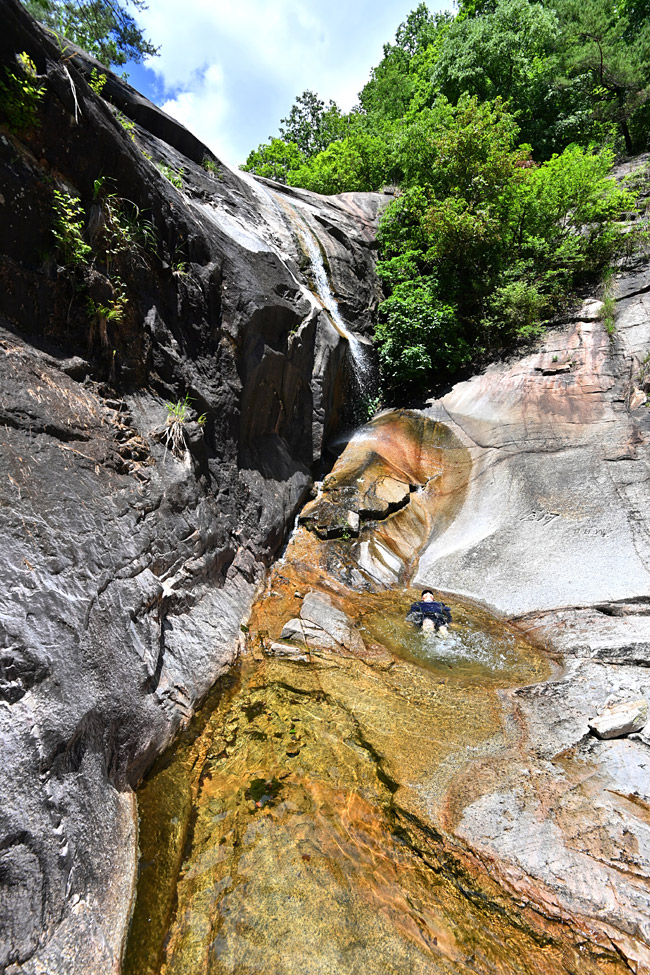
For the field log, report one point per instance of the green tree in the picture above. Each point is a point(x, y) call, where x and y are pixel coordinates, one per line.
point(311, 125)
point(636, 11)
point(503, 53)
point(484, 244)
point(274, 160)
point(394, 81)
point(602, 47)
point(389, 91)
point(361, 162)
point(417, 31)
point(416, 332)
point(105, 28)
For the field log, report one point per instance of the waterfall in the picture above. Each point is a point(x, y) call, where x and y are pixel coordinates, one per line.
point(361, 357)
point(363, 369)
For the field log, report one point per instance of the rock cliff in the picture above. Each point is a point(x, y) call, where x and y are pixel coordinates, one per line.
point(134, 534)
point(166, 398)
point(554, 534)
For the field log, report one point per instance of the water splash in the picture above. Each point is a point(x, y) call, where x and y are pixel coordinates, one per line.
point(468, 645)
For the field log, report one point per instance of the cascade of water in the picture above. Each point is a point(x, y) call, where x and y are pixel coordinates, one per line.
point(361, 358)
point(363, 366)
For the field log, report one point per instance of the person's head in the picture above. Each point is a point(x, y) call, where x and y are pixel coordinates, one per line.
point(427, 596)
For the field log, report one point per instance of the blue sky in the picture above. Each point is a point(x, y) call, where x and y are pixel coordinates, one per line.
point(231, 69)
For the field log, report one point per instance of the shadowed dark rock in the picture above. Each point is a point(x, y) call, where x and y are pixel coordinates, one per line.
point(128, 566)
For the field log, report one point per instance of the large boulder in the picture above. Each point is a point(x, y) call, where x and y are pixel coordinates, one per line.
point(620, 719)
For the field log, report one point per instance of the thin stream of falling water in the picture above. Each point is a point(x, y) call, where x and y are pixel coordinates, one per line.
point(364, 371)
point(360, 354)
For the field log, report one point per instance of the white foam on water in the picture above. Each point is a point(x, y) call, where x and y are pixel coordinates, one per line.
point(360, 355)
point(469, 645)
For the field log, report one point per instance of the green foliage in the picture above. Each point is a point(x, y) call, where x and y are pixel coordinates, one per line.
point(311, 125)
point(125, 231)
point(68, 229)
point(397, 78)
point(608, 310)
point(127, 124)
point(362, 161)
point(601, 45)
point(175, 176)
point(636, 11)
point(119, 237)
point(211, 166)
point(97, 81)
point(178, 411)
point(105, 28)
point(388, 93)
point(113, 312)
point(417, 332)
point(609, 59)
point(177, 417)
point(274, 160)
point(20, 94)
point(500, 128)
point(503, 53)
point(478, 255)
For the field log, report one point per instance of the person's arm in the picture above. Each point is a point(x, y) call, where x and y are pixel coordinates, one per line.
point(447, 613)
point(414, 614)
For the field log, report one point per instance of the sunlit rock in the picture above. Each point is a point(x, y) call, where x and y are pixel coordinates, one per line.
point(322, 625)
point(620, 719)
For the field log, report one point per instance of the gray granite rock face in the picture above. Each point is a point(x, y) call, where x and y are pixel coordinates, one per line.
point(553, 533)
point(127, 568)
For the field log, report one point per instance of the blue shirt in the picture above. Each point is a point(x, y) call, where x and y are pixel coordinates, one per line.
point(432, 608)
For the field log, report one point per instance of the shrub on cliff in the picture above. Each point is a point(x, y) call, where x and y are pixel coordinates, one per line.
point(274, 160)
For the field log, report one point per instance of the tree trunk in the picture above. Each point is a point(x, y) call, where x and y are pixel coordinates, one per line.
point(626, 136)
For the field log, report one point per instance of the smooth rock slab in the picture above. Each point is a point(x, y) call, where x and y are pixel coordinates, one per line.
point(322, 625)
point(620, 719)
point(307, 633)
point(317, 608)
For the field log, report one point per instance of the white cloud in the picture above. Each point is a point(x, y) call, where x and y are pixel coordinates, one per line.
point(230, 71)
point(204, 110)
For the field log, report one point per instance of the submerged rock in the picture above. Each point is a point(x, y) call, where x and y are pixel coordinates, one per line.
point(321, 625)
point(620, 719)
point(288, 650)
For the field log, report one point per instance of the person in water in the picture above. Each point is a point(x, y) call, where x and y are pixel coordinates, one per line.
point(430, 614)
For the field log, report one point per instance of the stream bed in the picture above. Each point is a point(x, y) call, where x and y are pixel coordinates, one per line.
point(300, 824)
point(303, 824)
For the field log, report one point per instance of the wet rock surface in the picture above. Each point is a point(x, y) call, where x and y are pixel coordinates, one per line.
point(553, 533)
point(321, 624)
point(128, 567)
point(489, 767)
point(129, 559)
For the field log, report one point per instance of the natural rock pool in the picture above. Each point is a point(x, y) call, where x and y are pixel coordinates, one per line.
point(304, 822)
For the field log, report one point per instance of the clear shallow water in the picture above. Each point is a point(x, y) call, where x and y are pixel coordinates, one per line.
point(295, 829)
point(304, 823)
point(475, 646)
